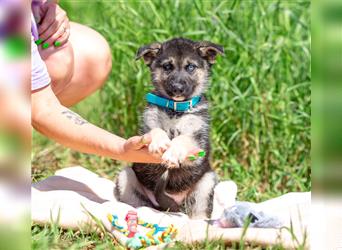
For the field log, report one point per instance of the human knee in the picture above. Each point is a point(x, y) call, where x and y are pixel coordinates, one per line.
point(60, 65)
point(93, 60)
point(99, 62)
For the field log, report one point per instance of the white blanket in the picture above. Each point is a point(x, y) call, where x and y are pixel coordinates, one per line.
point(73, 195)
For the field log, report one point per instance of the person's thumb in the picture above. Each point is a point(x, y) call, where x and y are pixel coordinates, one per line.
point(138, 142)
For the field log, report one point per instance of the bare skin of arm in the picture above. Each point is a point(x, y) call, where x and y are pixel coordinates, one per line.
point(64, 126)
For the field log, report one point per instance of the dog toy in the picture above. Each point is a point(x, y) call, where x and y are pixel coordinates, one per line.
point(132, 223)
point(242, 213)
point(155, 236)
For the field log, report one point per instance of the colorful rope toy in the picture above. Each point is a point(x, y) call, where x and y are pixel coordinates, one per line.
point(155, 236)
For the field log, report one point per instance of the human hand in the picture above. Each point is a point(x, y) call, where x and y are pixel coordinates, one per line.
point(137, 149)
point(137, 142)
point(182, 151)
point(54, 26)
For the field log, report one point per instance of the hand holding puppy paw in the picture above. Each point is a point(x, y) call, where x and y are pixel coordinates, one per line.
point(174, 156)
point(160, 142)
point(181, 151)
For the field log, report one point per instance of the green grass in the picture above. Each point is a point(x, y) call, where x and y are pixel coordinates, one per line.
point(260, 94)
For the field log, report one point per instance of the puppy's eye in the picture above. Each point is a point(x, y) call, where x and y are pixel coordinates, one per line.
point(190, 67)
point(167, 67)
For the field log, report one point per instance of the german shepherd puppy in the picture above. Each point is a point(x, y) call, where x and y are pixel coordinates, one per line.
point(180, 69)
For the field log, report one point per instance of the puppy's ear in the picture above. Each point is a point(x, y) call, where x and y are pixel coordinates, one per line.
point(148, 52)
point(209, 51)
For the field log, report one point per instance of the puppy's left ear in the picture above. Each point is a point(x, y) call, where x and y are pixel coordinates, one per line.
point(209, 51)
point(148, 52)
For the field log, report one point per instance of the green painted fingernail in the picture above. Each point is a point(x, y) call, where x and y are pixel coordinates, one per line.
point(58, 43)
point(39, 41)
point(45, 45)
point(192, 157)
point(201, 153)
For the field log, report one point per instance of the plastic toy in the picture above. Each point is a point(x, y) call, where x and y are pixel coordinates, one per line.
point(132, 223)
point(155, 236)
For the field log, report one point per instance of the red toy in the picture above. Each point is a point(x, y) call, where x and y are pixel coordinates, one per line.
point(132, 223)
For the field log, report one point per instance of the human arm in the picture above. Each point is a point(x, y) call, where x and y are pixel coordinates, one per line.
point(66, 127)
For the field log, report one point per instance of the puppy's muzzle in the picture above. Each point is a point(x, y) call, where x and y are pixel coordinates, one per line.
point(178, 87)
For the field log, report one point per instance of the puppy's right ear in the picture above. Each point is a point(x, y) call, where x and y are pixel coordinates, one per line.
point(209, 51)
point(148, 52)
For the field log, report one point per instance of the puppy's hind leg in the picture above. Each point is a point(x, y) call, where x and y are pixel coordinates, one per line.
point(127, 189)
point(199, 203)
point(165, 202)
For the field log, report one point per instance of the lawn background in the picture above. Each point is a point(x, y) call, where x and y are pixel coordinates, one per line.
point(260, 93)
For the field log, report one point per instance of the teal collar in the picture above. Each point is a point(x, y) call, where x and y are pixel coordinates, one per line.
point(171, 104)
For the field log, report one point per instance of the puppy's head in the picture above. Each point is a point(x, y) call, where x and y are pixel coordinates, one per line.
point(180, 67)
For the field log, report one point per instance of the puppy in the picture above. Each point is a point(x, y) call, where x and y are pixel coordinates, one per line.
point(177, 118)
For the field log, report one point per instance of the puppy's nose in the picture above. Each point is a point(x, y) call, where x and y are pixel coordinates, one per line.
point(178, 88)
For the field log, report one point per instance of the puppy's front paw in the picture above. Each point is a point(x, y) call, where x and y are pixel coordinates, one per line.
point(175, 156)
point(160, 142)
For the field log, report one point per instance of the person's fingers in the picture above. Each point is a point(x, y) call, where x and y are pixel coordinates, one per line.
point(48, 19)
point(195, 153)
point(54, 27)
point(60, 36)
point(137, 142)
point(61, 21)
point(146, 139)
point(132, 143)
point(63, 39)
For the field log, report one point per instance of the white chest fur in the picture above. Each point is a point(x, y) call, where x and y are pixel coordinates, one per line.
point(186, 124)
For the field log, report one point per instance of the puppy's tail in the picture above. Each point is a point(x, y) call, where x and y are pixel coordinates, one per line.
point(165, 202)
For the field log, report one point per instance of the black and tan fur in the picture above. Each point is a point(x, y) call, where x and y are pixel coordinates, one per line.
point(180, 69)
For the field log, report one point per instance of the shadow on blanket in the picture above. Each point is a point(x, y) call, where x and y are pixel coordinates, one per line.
point(75, 193)
point(53, 183)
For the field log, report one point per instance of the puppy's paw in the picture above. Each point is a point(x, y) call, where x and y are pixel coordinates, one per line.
point(175, 156)
point(160, 142)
